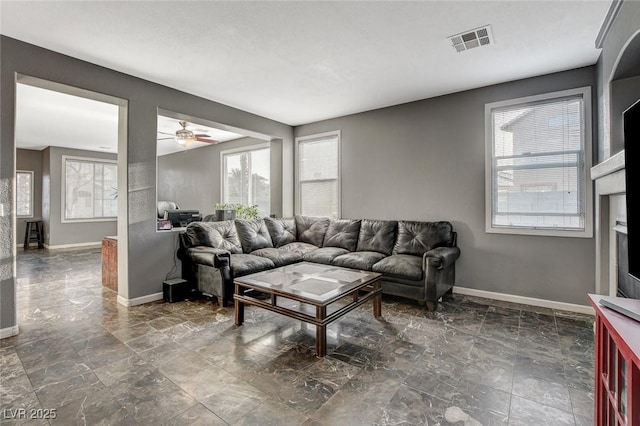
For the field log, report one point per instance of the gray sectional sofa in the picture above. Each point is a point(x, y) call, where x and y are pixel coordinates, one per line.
point(416, 259)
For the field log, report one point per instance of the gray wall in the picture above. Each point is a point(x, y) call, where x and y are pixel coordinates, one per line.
point(610, 100)
point(58, 233)
point(425, 160)
point(192, 178)
point(30, 160)
point(148, 251)
point(624, 93)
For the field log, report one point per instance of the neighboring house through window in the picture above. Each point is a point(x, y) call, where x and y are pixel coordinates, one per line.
point(538, 156)
point(89, 189)
point(246, 177)
point(24, 193)
point(318, 175)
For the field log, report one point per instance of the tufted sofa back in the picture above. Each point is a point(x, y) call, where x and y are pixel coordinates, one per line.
point(311, 229)
point(222, 235)
point(416, 238)
point(253, 235)
point(282, 230)
point(342, 233)
point(377, 235)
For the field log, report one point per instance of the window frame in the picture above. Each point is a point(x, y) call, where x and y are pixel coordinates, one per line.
point(585, 181)
point(301, 139)
point(241, 150)
point(31, 201)
point(63, 192)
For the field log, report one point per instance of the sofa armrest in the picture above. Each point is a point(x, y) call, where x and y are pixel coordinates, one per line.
point(209, 256)
point(441, 257)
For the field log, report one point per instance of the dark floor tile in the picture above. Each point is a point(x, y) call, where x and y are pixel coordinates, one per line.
point(582, 403)
point(482, 403)
point(539, 367)
point(198, 415)
point(410, 406)
point(187, 363)
point(525, 412)
point(57, 394)
point(151, 398)
point(545, 392)
point(272, 413)
point(98, 408)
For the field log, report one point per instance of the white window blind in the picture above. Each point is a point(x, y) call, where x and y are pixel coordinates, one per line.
point(538, 165)
point(24, 193)
point(319, 175)
point(246, 178)
point(90, 189)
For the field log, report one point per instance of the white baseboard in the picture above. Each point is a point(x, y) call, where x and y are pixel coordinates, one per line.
point(8, 332)
point(140, 300)
point(543, 303)
point(64, 246)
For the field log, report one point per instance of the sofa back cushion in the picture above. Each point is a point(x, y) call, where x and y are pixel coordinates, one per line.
point(253, 234)
point(221, 235)
point(377, 235)
point(416, 238)
point(342, 233)
point(311, 229)
point(281, 230)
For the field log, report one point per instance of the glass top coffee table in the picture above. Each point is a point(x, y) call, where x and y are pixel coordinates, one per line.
point(312, 284)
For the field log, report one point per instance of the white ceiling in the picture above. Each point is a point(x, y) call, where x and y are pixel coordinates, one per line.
point(50, 118)
point(300, 62)
point(170, 125)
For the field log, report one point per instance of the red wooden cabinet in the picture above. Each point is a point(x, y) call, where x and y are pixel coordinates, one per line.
point(617, 375)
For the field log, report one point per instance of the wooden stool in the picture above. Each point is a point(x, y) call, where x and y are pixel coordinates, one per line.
point(34, 232)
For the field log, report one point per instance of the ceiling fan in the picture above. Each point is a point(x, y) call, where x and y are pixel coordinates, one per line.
point(186, 137)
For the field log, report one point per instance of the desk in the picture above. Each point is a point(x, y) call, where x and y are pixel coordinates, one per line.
point(110, 262)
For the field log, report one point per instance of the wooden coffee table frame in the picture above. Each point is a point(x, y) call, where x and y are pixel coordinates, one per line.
point(372, 289)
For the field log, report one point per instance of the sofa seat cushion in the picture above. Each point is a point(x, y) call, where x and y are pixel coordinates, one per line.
point(311, 229)
point(417, 238)
point(299, 247)
point(325, 255)
point(377, 235)
point(279, 257)
point(220, 235)
point(402, 266)
point(253, 235)
point(282, 230)
point(245, 264)
point(358, 260)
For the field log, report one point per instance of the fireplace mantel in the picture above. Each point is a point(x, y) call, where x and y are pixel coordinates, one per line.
point(609, 177)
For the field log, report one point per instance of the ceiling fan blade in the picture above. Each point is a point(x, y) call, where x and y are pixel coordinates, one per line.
point(165, 133)
point(164, 139)
point(201, 135)
point(205, 140)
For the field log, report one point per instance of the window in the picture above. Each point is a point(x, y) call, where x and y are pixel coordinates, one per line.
point(538, 157)
point(246, 178)
point(89, 189)
point(24, 193)
point(318, 175)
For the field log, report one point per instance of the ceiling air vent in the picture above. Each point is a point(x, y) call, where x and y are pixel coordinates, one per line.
point(468, 40)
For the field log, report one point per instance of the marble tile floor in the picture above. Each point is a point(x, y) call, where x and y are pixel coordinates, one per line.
point(89, 360)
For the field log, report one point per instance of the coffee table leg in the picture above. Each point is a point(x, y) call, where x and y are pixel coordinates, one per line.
point(321, 340)
point(377, 301)
point(239, 308)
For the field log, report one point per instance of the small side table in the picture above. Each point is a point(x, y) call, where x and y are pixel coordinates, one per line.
point(34, 231)
point(110, 262)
